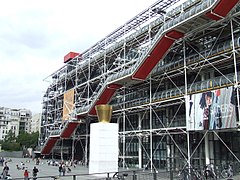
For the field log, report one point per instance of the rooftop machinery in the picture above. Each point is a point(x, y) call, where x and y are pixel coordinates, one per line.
point(155, 70)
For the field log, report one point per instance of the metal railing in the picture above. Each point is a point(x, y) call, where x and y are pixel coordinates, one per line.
point(121, 175)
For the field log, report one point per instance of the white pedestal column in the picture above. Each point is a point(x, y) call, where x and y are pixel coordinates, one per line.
point(103, 148)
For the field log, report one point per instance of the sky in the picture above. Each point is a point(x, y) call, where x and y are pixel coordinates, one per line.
point(36, 35)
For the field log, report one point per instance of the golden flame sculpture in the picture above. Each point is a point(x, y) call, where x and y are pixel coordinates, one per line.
point(104, 113)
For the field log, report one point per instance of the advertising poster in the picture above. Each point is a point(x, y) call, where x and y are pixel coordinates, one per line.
point(68, 104)
point(210, 110)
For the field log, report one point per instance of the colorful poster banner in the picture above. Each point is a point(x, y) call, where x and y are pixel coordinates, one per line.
point(210, 110)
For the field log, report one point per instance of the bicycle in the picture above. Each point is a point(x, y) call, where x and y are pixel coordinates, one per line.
point(209, 172)
point(190, 174)
point(120, 176)
point(227, 171)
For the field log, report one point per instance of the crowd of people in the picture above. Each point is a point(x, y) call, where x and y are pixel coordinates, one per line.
point(63, 168)
point(26, 173)
point(34, 173)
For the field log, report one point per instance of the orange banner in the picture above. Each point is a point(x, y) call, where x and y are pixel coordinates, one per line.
point(68, 104)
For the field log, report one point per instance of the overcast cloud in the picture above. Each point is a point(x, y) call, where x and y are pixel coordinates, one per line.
point(36, 35)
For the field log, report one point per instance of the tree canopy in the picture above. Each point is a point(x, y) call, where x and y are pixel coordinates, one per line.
point(24, 140)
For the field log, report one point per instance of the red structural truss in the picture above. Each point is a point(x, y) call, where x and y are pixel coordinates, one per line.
point(157, 53)
point(49, 145)
point(221, 9)
point(105, 96)
point(66, 133)
point(69, 129)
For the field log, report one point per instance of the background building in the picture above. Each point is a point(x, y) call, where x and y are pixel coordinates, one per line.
point(172, 77)
point(14, 120)
point(35, 122)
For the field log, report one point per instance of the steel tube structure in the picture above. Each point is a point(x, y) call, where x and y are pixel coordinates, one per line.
point(162, 72)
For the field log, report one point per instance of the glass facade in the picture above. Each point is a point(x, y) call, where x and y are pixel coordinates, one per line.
point(184, 109)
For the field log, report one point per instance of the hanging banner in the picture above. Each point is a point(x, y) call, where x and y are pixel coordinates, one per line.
point(68, 104)
point(211, 110)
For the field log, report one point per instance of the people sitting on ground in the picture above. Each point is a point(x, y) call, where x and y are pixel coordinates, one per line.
point(22, 165)
point(18, 168)
point(68, 170)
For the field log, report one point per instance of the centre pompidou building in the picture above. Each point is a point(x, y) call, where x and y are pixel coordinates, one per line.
point(171, 76)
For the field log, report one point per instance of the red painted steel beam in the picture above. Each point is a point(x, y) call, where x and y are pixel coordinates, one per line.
point(50, 144)
point(221, 9)
point(157, 53)
point(68, 130)
point(105, 96)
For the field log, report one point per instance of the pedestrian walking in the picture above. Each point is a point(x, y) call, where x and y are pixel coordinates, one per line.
point(35, 171)
point(26, 175)
point(37, 161)
point(1, 161)
point(60, 169)
point(63, 169)
point(5, 171)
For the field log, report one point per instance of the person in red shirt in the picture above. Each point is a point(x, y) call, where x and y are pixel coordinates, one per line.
point(26, 175)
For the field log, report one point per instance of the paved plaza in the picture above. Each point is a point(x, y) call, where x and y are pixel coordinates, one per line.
point(49, 172)
point(43, 167)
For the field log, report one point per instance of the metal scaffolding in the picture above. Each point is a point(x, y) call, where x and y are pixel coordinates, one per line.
point(148, 69)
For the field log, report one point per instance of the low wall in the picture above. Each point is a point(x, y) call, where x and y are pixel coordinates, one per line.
point(15, 154)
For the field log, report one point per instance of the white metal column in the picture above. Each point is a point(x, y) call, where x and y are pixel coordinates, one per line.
point(151, 127)
point(207, 156)
point(235, 67)
point(62, 150)
point(186, 101)
point(124, 129)
point(139, 143)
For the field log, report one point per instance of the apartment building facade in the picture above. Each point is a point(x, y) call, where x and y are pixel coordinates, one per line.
point(14, 120)
point(35, 123)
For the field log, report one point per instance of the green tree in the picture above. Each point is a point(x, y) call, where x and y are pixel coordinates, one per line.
point(24, 140)
point(9, 143)
point(27, 140)
point(11, 146)
point(10, 137)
